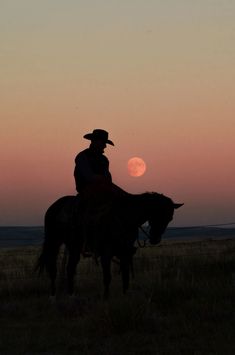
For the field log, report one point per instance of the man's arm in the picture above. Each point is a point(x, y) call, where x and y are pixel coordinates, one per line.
point(83, 167)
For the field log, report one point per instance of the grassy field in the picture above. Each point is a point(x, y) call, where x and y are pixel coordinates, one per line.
point(181, 301)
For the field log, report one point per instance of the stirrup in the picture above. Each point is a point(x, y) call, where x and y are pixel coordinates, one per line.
point(87, 254)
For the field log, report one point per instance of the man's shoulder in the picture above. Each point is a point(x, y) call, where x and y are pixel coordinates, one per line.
point(88, 154)
point(83, 153)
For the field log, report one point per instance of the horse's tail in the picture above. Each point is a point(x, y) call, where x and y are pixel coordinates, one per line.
point(50, 249)
point(42, 261)
point(53, 237)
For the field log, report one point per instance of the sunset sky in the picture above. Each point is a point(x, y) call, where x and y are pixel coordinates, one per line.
point(158, 75)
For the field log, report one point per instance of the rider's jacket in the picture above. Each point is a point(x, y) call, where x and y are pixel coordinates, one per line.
point(89, 164)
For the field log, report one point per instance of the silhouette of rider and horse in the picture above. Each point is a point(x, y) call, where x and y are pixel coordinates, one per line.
point(101, 220)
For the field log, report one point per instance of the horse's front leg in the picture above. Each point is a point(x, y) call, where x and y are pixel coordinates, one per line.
point(125, 262)
point(74, 257)
point(106, 266)
point(52, 274)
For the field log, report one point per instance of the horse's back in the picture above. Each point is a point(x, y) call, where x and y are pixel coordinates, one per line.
point(60, 210)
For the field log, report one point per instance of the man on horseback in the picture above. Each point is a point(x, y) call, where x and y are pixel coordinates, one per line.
point(94, 185)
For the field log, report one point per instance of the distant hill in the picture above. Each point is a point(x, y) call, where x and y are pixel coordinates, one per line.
point(26, 236)
point(20, 236)
point(197, 232)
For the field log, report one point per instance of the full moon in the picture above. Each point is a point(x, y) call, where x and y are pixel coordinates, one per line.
point(136, 166)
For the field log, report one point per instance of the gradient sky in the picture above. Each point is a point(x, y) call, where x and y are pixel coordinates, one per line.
point(158, 75)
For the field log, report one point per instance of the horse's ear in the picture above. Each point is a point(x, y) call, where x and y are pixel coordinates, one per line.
point(178, 205)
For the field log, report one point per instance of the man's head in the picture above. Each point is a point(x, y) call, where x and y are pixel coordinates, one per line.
point(99, 139)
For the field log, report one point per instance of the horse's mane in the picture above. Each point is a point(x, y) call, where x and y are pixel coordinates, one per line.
point(129, 203)
point(151, 195)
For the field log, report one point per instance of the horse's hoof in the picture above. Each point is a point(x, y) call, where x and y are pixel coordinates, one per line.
point(52, 299)
point(106, 296)
point(73, 297)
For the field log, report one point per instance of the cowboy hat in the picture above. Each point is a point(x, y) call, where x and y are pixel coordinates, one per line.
point(100, 134)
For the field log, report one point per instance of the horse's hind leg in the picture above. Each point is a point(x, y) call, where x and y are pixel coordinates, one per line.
point(48, 260)
point(51, 267)
point(106, 266)
point(74, 257)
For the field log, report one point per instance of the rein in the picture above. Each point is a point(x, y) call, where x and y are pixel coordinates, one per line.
point(138, 240)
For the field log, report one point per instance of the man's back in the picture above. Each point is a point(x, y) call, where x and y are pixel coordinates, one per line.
point(89, 166)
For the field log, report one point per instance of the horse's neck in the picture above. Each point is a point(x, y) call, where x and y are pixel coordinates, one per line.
point(139, 210)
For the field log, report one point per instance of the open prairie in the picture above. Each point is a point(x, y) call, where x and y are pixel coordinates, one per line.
point(181, 301)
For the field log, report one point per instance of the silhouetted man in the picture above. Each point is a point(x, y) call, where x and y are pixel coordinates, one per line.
point(91, 165)
point(94, 186)
point(97, 194)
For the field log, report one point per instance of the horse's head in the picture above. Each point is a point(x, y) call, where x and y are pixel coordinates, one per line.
point(160, 214)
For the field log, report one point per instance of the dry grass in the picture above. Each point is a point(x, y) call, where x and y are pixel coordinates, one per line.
point(181, 301)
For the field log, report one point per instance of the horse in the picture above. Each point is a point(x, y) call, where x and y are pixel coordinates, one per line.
point(115, 237)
